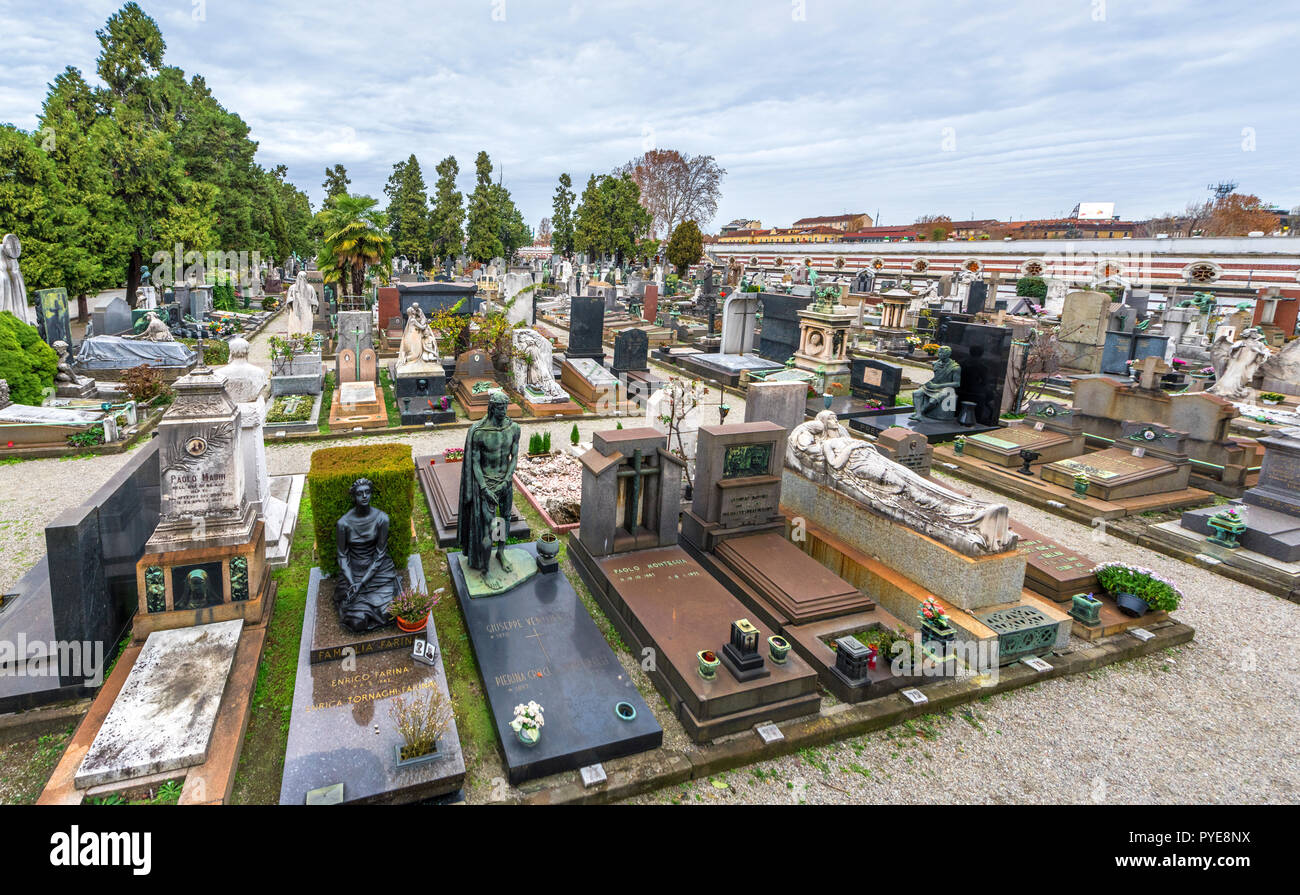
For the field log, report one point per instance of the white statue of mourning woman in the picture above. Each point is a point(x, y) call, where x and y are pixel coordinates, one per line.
point(13, 292)
point(1237, 363)
point(823, 451)
point(302, 305)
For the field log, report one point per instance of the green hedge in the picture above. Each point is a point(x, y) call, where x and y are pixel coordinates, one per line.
point(390, 467)
point(1031, 287)
point(26, 363)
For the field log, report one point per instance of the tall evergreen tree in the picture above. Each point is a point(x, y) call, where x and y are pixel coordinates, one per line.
point(562, 221)
point(484, 225)
point(447, 216)
point(408, 211)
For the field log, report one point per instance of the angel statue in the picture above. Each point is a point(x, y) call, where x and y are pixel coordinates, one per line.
point(419, 344)
point(1236, 363)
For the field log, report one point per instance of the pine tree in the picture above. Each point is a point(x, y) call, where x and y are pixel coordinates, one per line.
point(562, 221)
point(447, 218)
point(484, 226)
point(408, 211)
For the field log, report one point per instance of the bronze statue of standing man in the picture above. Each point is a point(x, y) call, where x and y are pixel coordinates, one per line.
point(487, 487)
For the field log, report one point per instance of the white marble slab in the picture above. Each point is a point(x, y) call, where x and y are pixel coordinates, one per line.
point(162, 719)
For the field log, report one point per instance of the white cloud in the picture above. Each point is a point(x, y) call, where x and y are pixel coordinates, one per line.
point(842, 111)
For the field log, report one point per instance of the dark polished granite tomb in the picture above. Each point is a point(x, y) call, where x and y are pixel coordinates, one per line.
point(440, 482)
point(341, 732)
point(935, 431)
point(537, 642)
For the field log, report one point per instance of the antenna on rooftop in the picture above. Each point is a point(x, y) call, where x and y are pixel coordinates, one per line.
point(1223, 189)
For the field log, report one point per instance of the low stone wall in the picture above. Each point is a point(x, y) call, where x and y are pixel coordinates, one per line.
point(966, 582)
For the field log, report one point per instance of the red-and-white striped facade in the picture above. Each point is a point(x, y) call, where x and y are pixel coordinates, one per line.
point(1251, 264)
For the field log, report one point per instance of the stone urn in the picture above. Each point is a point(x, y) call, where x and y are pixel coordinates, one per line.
point(709, 663)
point(548, 545)
point(778, 648)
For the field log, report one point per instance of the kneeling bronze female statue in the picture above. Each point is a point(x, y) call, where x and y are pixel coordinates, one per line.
point(368, 578)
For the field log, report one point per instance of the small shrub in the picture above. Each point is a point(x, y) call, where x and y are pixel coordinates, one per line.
point(26, 363)
point(421, 720)
point(574, 437)
point(1031, 287)
point(391, 471)
point(144, 383)
point(216, 352)
point(1121, 578)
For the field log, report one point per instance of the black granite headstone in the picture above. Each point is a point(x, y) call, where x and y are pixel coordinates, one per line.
point(88, 574)
point(863, 281)
point(630, 349)
point(874, 380)
point(779, 337)
point(433, 297)
point(537, 642)
point(983, 352)
point(976, 297)
point(52, 319)
point(586, 328)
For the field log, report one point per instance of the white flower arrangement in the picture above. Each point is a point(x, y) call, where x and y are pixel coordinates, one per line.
point(527, 717)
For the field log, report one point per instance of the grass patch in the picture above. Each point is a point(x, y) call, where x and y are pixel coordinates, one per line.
point(390, 400)
point(290, 409)
point(261, 764)
point(326, 401)
point(26, 766)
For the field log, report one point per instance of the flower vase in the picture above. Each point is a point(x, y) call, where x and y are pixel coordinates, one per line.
point(1131, 605)
point(528, 736)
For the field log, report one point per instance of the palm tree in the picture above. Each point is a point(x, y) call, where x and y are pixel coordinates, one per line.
point(356, 238)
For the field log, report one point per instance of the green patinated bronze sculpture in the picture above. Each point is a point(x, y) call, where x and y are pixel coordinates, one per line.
point(937, 399)
point(487, 489)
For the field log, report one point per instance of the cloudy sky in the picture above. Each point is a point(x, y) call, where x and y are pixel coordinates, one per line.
point(1014, 109)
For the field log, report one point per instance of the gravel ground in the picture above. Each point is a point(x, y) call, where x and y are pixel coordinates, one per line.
point(1212, 721)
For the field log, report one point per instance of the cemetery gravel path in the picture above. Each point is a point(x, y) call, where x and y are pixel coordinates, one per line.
point(1212, 721)
point(33, 493)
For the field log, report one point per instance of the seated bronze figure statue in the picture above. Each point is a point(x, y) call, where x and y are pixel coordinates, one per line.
point(368, 579)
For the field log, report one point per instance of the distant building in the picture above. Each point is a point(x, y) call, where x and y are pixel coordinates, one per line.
point(1067, 228)
point(844, 223)
point(977, 229)
point(740, 224)
point(882, 234)
point(782, 235)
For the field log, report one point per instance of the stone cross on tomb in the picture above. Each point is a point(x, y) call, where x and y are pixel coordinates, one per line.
point(634, 482)
point(356, 331)
point(1151, 369)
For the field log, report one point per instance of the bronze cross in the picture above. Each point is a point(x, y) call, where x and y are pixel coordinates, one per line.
point(636, 475)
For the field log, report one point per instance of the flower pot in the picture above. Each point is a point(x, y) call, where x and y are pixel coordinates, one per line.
point(528, 737)
point(1131, 605)
point(1081, 487)
point(625, 711)
point(1271, 403)
point(826, 401)
point(417, 760)
point(931, 633)
point(709, 663)
point(412, 627)
point(548, 546)
point(959, 446)
point(778, 648)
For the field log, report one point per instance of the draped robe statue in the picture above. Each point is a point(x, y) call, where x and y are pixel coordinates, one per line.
point(487, 487)
point(368, 579)
point(13, 291)
point(419, 345)
point(937, 399)
point(823, 451)
point(302, 305)
point(1241, 360)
